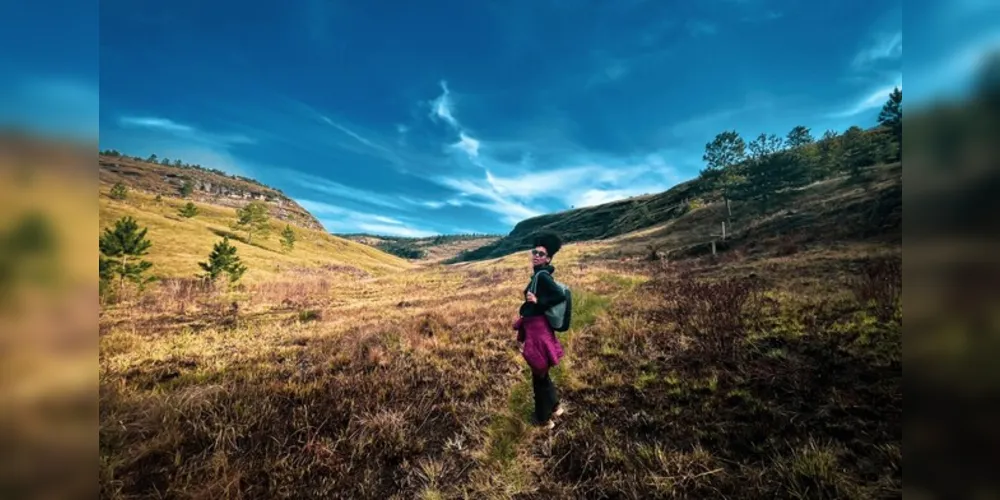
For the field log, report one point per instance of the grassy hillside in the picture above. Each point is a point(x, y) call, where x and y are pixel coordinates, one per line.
point(208, 186)
point(430, 249)
point(180, 243)
point(689, 216)
point(820, 214)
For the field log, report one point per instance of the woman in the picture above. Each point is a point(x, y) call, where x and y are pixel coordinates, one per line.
point(537, 339)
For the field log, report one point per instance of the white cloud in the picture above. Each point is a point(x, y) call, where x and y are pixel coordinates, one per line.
point(155, 123)
point(468, 144)
point(393, 230)
point(188, 132)
point(354, 135)
point(594, 197)
point(887, 46)
point(512, 211)
point(582, 185)
point(441, 107)
point(519, 190)
point(388, 220)
point(872, 100)
point(341, 220)
point(337, 190)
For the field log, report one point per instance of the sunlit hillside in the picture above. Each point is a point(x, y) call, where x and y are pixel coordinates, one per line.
point(179, 243)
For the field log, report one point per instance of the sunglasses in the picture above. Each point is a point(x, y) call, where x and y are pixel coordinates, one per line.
point(538, 253)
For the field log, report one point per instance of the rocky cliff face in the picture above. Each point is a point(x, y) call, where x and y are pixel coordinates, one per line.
point(207, 187)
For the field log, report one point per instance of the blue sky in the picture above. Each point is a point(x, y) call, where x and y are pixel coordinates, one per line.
point(441, 117)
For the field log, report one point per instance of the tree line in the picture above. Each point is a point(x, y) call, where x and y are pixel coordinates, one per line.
point(763, 170)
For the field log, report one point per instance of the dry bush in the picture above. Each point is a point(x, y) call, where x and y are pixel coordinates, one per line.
point(176, 295)
point(290, 294)
point(879, 285)
point(787, 245)
point(712, 313)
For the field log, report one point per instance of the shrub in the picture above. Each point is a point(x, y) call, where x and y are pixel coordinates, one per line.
point(119, 191)
point(879, 285)
point(189, 210)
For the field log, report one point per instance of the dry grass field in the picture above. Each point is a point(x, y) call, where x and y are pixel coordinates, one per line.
point(764, 376)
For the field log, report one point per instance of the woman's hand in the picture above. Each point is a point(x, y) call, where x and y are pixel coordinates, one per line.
point(530, 297)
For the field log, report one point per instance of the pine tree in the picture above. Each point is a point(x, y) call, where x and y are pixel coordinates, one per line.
point(770, 170)
point(798, 137)
point(891, 117)
point(189, 210)
point(253, 218)
point(223, 259)
point(858, 152)
point(121, 249)
point(830, 152)
point(288, 238)
point(152, 159)
point(723, 157)
point(119, 191)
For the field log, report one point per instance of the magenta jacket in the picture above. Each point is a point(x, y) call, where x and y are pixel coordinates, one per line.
point(541, 347)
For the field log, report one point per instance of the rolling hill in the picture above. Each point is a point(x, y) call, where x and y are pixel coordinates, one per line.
point(207, 186)
point(179, 243)
point(685, 219)
point(430, 249)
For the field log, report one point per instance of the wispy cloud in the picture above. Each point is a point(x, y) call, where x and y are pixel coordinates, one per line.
point(518, 189)
point(512, 211)
point(338, 219)
point(183, 130)
point(468, 144)
point(441, 107)
point(886, 46)
point(872, 100)
point(515, 196)
point(394, 230)
point(155, 123)
point(356, 136)
point(338, 190)
point(592, 197)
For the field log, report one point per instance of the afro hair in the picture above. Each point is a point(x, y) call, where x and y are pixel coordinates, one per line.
point(550, 241)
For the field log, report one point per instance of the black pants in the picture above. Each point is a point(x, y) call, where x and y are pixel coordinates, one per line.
point(546, 399)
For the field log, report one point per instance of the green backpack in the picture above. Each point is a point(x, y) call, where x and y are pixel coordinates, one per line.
point(559, 315)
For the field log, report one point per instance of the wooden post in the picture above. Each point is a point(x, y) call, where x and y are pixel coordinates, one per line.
point(713, 248)
point(723, 230)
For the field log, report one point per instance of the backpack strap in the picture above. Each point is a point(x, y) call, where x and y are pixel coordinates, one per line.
point(533, 288)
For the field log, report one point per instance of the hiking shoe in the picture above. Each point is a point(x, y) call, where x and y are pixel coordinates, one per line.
point(548, 425)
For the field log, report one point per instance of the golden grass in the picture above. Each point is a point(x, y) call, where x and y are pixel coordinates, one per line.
point(180, 243)
point(408, 385)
